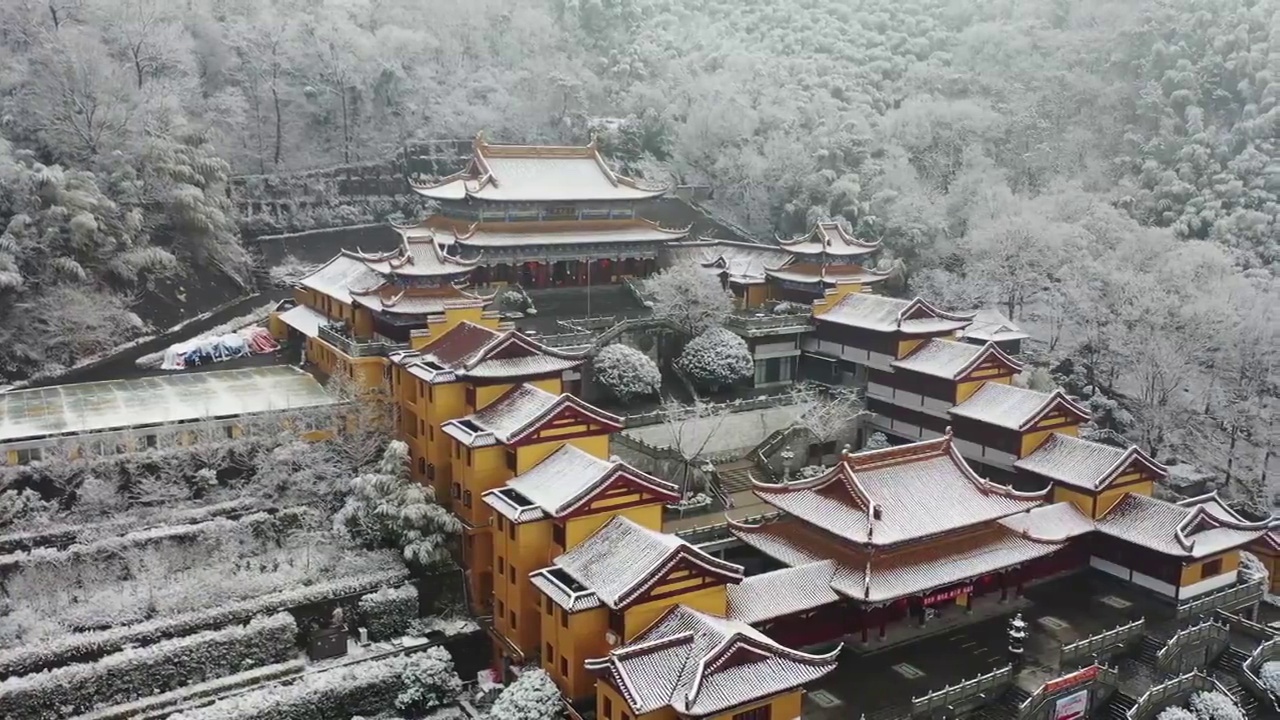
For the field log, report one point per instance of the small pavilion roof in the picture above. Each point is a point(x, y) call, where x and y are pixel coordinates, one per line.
point(1015, 408)
point(875, 575)
point(617, 563)
point(828, 274)
point(788, 591)
point(418, 256)
point(952, 359)
point(564, 481)
point(517, 413)
point(1058, 522)
point(991, 325)
point(894, 315)
point(473, 351)
point(1083, 463)
point(341, 277)
point(899, 494)
point(1195, 528)
point(537, 173)
point(700, 665)
point(373, 279)
point(829, 238)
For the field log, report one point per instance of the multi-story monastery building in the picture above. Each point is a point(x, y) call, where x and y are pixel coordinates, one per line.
point(563, 544)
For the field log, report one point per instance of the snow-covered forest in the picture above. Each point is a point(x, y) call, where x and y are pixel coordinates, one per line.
point(1107, 172)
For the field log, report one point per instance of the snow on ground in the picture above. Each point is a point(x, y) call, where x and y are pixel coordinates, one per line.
point(739, 431)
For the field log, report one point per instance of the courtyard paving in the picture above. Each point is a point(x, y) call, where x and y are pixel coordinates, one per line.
point(879, 682)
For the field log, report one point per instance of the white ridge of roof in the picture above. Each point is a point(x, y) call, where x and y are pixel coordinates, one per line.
point(744, 262)
point(515, 413)
point(1081, 463)
point(304, 319)
point(1011, 407)
point(783, 592)
point(622, 558)
point(950, 359)
point(829, 238)
point(173, 398)
point(701, 665)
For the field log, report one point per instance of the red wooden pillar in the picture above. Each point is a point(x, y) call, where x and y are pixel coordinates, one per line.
point(542, 272)
point(1004, 588)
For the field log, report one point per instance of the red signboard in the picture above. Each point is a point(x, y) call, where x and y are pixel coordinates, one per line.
point(1076, 678)
point(944, 595)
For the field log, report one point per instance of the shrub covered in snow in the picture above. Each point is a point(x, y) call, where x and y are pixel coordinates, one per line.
point(139, 672)
point(1215, 706)
point(877, 441)
point(717, 358)
point(82, 647)
point(1176, 713)
point(364, 688)
point(626, 372)
point(388, 612)
point(533, 696)
point(387, 508)
point(429, 683)
point(1269, 674)
point(688, 298)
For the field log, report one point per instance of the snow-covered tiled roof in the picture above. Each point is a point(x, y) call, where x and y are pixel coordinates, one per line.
point(1055, 523)
point(533, 173)
point(304, 319)
point(700, 665)
point(879, 576)
point(173, 398)
point(951, 359)
point(886, 314)
point(1015, 408)
point(745, 263)
point(342, 276)
point(620, 561)
point(563, 481)
point(991, 325)
point(518, 412)
point(885, 497)
point(829, 238)
point(1083, 463)
point(468, 350)
point(394, 301)
point(417, 256)
point(782, 592)
point(830, 274)
point(639, 231)
point(1193, 529)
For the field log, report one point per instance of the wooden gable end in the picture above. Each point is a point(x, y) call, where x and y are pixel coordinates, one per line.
point(619, 493)
point(565, 424)
point(682, 577)
point(511, 350)
point(992, 366)
point(1058, 416)
point(1135, 472)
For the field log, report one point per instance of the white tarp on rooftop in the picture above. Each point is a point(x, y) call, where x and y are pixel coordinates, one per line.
point(304, 320)
point(114, 404)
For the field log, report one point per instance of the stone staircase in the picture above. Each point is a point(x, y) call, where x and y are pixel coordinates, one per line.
point(737, 476)
point(1247, 703)
point(1119, 705)
point(1005, 707)
point(1150, 649)
point(1230, 661)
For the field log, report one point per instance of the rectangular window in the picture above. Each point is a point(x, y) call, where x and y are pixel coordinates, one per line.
point(422, 465)
point(551, 607)
point(471, 397)
point(764, 712)
point(30, 455)
point(564, 666)
point(551, 653)
point(501, 520)
point(230, 431)
point(501, 610)
point(1211, 568)
point(608, 709)
point(511, 531)
point(557, 533)
point(564, 618)
point(466, 498)
point(456, 491)
point(617, 623)
point(513, 619)
point(149, 441)
point(511, 571)
point(468, 457)
point(511, 460)
point(431, 393)
point(457, 450)
point(431, 433)
point(502, 565)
